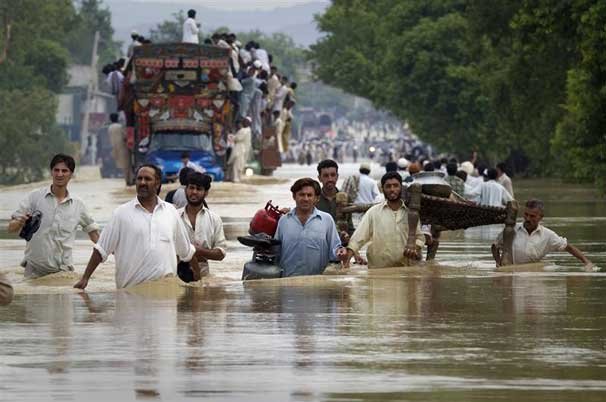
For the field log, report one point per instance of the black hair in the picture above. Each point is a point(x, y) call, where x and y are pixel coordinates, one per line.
point(305, 182)
point(207, 41)
point(364, 170)
point(184, 175)
point(157, 170)
point(428, 167)
point(113, 117)
point(491, 174)
point(191, 13)
point(293, 85)
point(391, 175)
point(501, 166)
point(391, 167)
point(437, 164)
point(461, 174)
point(327, 163)
point(199, 179)
point(67, 159)
point(262, 75)
point(451, 169)
point(185, 154)
point(108, 68)
point(120, 63)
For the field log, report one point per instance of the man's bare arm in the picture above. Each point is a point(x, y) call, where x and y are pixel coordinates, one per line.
point(93, 263)
point(94, 236)
point(578, 254)
point(15, 225)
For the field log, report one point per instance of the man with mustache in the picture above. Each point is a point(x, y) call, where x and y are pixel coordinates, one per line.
point(145, 235)
point(385, 226)
point(309, 238)
point(204, 228)
point(532, 241)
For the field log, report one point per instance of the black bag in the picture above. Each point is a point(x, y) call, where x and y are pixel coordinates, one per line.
point(184, 272)
point(32, 224)
point(256, 270)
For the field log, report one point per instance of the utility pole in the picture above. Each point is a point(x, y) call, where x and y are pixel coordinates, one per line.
point(90, 91)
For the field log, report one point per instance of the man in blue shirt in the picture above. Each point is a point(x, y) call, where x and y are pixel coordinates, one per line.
point(309, 236)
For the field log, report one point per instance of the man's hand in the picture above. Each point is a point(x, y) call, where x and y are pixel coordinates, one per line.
point(81, 284)
point(284, 210)
point(344, 255)
point(17, 223)
point(359, 259)
point(591, 267)
point(411, 253)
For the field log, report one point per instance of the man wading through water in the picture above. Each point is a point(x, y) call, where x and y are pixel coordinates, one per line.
point(145, 235)
point(204, 229)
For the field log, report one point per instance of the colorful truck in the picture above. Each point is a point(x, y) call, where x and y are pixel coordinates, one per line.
point(175, 99)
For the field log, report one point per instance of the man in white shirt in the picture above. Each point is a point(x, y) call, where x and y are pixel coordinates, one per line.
point(190, 28)
point(241, 150)
point(503, 179)
point(50, 248)
point(368, 190)
point(532, 241)
point(204, 228)
point(490, 192)
point(145, 235)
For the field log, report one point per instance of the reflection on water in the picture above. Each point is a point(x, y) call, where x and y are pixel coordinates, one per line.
point(452, 331)
point(402, 335)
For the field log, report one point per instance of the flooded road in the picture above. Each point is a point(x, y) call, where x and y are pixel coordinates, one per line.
point(455, 330)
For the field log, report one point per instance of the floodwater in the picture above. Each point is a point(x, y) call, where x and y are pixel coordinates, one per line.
point(456, 330)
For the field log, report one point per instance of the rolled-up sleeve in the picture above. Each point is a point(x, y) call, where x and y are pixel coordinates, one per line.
point(86, 220)
point(185, 250)
point(108, 240)
point(25, 207)
point(219, 241)
point(556, 243)
point(362, 234)
point(333, 238)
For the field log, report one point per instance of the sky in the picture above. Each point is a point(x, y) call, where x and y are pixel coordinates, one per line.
point(239, 4)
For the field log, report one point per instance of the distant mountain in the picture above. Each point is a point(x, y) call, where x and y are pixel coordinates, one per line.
point(296, 21)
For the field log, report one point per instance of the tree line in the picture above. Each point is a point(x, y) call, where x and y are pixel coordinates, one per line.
point(514, 79)
point(39, 39)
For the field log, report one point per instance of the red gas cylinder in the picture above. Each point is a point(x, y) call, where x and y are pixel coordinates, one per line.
point(265, 220)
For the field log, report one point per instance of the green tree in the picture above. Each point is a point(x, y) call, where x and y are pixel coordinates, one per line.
point(169, 31)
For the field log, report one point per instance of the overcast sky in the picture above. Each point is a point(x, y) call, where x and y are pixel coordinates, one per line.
point(238, 4)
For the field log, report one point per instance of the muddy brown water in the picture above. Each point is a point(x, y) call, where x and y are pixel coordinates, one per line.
point(455, 330)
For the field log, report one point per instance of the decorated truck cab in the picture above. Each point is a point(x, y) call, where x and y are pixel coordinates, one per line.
point(175, 99)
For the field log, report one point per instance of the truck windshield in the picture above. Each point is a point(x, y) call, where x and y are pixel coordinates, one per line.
point(180, 142)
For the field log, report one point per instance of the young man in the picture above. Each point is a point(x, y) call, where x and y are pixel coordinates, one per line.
point(385, 226)
point(241, 150)
point(144, 235)
point(308, 236)
point(50, 249)
point(328, 174)
point(367, 187)
point(204, 227)
point(532, 241)
point(503, 179)
point(177, 197)
point(191, 28)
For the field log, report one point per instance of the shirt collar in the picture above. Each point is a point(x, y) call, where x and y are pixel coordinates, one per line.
point(200, 212)
point(161, 203)
point(538, 230)
point(384, 204)
point(314, 213)
point(68, 196)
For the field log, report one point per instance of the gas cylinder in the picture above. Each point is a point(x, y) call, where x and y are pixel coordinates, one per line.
point(265, 220)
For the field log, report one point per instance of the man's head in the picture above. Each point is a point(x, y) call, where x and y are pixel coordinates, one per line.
point(451, 169)
point(305, 192)
point(284, 80)
point(184, 175)
point(134, 35)
point(246, 122)
point(364, 168)
point(185, 158)
point(491, 174)
point(461, 174)
point(533, 214)
point(191, 13)
point(328, 174)
point(391, 166)
point(198, 185)
point(391, 183)
point(113, 117)
point(62, 168)
point(148, 182)
point(500, 169)
point(414, 168)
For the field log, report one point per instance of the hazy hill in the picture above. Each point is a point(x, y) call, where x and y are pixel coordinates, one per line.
point(297, 21)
